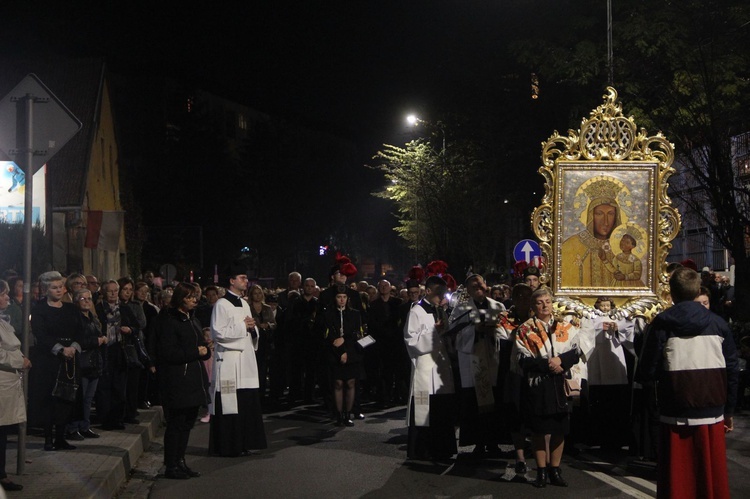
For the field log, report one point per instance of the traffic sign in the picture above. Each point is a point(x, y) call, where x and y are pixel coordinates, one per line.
point(526, 249)
point(53, 123)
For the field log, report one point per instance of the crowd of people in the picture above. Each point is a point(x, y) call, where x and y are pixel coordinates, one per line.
point(492, 360)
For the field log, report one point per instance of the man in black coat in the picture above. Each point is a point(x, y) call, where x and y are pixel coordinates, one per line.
point(302, 345)
point(389, 342)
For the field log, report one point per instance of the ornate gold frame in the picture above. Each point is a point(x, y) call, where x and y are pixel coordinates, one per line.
point(608, 142)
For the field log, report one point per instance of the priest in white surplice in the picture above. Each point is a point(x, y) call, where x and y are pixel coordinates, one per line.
point(432, 402)
point(610, 365)
point(237, 421)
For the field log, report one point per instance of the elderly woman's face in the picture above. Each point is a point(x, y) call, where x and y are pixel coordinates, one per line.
point(542, 307)
point(84, 302)
point(604, 220)
point(56, 290)
point(111, 292)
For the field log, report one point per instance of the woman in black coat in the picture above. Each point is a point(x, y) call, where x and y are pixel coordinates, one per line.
point(182, 378)
point(343, 330)
point(57, 329)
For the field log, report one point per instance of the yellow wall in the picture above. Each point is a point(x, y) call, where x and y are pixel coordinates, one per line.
point(103, 192)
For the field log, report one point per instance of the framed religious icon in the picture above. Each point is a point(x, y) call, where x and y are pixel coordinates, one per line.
point(606, 222)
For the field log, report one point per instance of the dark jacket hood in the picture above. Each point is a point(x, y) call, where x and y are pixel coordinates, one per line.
point(686, 318)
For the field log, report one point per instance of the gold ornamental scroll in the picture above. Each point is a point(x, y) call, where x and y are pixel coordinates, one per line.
point(605, 223)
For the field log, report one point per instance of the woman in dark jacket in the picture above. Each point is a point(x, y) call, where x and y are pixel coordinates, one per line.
point(182, 378)
point(90, 363)
point(118, 324)
point(343, 330)
point(57, 328)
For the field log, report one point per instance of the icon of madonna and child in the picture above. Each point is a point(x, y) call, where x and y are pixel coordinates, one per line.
point(604, 245)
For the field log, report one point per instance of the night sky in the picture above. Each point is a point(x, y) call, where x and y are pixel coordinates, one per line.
point(352, 69)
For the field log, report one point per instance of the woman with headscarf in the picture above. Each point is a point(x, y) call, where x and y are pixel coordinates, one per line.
point(547, 353)
point(12, 364)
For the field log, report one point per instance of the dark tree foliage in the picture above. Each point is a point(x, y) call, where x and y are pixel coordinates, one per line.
point(12, 247)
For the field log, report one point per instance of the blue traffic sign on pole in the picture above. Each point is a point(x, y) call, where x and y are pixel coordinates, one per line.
point(526, 249)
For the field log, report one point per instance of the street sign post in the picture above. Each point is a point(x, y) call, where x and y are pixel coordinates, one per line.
point(34, 126)
point(526, 249)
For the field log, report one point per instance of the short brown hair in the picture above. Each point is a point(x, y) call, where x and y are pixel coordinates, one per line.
point(684, 284)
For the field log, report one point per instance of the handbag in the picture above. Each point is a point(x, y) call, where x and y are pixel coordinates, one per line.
point(65, 385)
point(572, 388)
point(140, 345)
point(132, 359)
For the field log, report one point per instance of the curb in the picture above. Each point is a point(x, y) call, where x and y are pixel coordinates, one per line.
point(96, 469)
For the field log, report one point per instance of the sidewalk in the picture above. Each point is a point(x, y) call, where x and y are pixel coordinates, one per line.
point(96, 469)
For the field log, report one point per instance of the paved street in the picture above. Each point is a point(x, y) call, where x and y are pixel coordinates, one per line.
point(309, 457)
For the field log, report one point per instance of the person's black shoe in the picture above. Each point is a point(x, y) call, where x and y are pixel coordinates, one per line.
point(340, 419)
point(9, 486)
point(175, 473)
point(74, 435)
point(555, 478)
point(89, 434)
point(541, 478)
point(521, 468)
point(347, 418)
point(184, 467)
point(63, 445)
point(357, 415)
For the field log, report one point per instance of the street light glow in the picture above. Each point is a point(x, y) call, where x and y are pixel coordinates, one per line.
point(412, 120)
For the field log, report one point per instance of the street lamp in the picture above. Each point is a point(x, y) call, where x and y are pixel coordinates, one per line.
point(414, 120)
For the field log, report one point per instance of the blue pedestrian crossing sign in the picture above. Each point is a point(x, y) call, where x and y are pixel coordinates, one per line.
point(526, 249)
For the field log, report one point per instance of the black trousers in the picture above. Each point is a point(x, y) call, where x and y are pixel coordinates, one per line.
point(58, 418)
point(110, 393)
point(132, 388)
point(437, 441)
point(179, 423)
point(4, 430)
